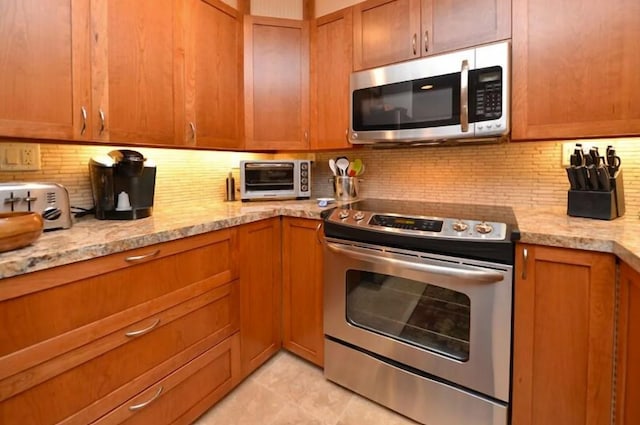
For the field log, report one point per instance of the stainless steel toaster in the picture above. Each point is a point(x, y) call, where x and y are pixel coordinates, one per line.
point(51, 200)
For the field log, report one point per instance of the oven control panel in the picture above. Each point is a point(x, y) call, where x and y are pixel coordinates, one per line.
point(435, 227)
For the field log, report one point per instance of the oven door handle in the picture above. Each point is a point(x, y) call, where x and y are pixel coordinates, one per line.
point(478, 276)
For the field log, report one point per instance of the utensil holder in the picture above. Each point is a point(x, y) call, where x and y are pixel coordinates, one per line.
point(598, 204)
point(345, 188)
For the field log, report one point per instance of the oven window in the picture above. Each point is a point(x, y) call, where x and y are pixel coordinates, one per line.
point(417, 313)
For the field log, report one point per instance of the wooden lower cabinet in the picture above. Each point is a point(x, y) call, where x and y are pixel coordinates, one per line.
point(563, 336)
point(628, 350)
point(82, 339)
point(260, 294)
point(302, 289)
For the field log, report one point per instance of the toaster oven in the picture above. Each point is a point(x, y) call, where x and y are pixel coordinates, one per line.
point(50, 200)
point(275, 179)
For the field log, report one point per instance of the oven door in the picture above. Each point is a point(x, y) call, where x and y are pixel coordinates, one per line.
point(446, 317)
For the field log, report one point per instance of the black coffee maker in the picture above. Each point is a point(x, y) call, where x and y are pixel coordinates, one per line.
point(123, 185)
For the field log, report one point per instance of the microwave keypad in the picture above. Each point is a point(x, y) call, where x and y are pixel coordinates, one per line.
point(489, 100)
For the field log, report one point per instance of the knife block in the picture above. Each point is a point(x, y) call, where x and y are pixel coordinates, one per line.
point(598, 204)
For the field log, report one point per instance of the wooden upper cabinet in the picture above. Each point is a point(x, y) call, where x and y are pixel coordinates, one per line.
point(44, 58)
point(213, 75)
point(385, 31)
point(276, 83)
point(137, 71)
point(575, 68)
point(563, 336)
point(628, 367)
point(331, 66)
point(455, 24)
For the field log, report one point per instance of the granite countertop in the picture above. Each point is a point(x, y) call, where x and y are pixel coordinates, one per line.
point(89, 238)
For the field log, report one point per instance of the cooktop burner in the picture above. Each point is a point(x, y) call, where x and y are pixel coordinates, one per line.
point(474, 231)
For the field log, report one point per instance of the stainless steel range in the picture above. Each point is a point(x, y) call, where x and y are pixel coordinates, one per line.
point(418, 307)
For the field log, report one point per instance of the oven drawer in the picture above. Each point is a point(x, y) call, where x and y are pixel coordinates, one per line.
point(402, 389)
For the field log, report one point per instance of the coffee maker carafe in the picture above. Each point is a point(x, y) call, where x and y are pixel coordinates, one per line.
point(123, 185)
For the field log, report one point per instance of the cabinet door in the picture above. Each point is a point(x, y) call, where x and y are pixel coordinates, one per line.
point(213, 75)
point(276, 78)
point(138, 93)
point(302, 289)
point(385, 31)
point(456, 24)
point(575, 68)
point(563, 336)
point(45, 77)
point(332, 47)
point(628, 368)
point(260, 292)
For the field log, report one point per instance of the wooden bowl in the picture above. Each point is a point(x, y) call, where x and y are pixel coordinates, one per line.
point(19, 229)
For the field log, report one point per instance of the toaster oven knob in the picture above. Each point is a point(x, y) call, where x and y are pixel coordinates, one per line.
point(484, 228)
point(343, 214)
point(51, 213)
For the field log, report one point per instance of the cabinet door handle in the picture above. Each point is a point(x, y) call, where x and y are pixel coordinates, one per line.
point(318, 234)
point(138, 258)
point(146, 403)
point(414, 43)
point(101, 116)
point(83, 113)
point(193, 132)
point(143, 331)
point(426, 41)
point(525, 255)
point(306, 136)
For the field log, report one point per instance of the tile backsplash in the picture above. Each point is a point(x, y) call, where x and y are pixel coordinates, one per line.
point(516, 173)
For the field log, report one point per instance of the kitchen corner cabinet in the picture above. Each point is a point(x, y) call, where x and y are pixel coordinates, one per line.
point(628, 350)
point(137, 71)
point(563, 336)
point(331, 66)
point(45, 62)
point(575, 69)
point(388, 31)
point(213, 79)
point(302, 284)
point(276, 83)
point(150, 333)
point(260, 292)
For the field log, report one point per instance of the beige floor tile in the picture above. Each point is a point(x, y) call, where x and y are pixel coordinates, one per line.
point(293, 415)
point(362, 411)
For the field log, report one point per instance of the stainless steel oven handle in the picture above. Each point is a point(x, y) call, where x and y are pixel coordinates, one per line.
point(485, 276)
point(464, 97)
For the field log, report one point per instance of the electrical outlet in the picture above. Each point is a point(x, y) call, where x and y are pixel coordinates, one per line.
point(19, 156)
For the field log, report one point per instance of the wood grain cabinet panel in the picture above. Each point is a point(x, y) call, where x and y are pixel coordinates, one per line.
point(302, 289)
point(137, 71)
point(575, 69)
point(332, 59)
point(455, 24)
point(628, 367)
point(213, 75)
point(45, 78)
point(276, 83)
point(563, 336)
point(260, 292)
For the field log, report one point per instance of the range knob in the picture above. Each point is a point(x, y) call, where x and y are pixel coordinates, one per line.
point(343, 214)
point(358, 216)
point(460, 226)
point(484, 228)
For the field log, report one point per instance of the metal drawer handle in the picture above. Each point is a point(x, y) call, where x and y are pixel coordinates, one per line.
point(143, 331)
point(138, 258)
point(146, 403)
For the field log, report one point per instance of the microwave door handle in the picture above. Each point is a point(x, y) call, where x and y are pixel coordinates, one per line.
point(464, 274)
point(464, 96)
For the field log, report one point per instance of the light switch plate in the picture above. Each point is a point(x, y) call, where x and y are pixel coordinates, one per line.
point(567, 151)
point(19, 157)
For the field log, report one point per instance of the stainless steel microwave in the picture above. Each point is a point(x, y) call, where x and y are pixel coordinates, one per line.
point(459, 96)
point(275, 179)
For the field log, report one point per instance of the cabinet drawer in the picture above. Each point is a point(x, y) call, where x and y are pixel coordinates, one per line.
point(76, 309)
point(185, 394)
point(93, 387)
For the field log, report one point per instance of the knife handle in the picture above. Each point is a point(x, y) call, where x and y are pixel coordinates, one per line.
point(593, 177)
point(571, 174)
point(603, 179)
point(581, 177)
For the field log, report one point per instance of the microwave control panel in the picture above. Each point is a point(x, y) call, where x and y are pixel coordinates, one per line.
point(488, 93)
